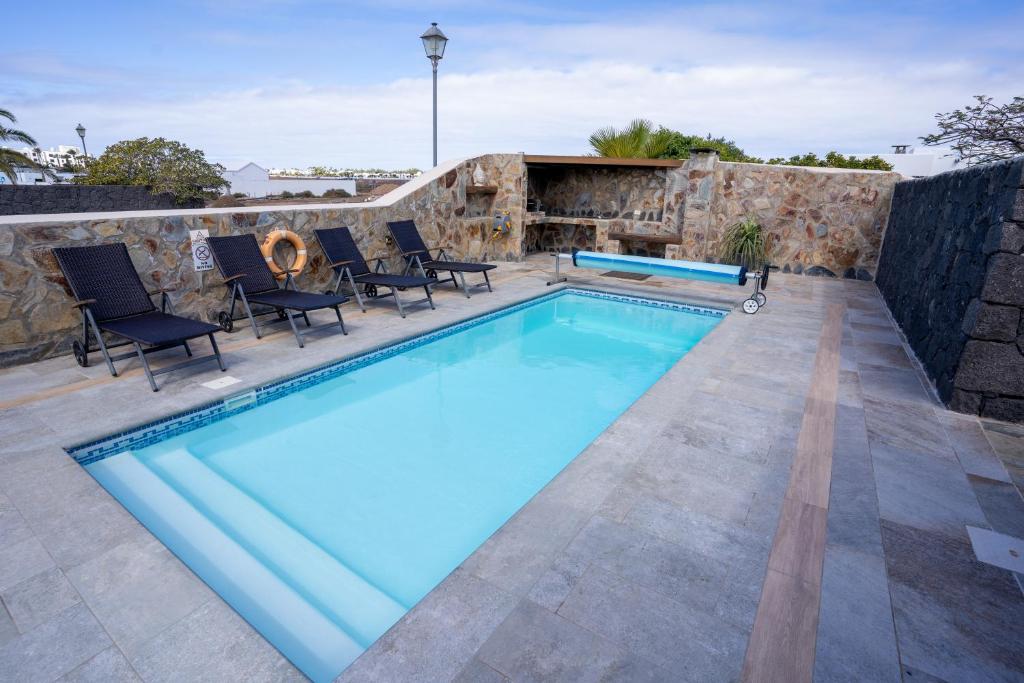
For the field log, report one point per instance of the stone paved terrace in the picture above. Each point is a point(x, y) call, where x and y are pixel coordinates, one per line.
point(706, 513)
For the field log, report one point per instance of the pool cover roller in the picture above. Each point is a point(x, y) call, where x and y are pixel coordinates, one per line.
point(688, 270)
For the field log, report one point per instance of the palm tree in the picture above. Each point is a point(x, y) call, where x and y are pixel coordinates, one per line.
point(10, 160)
point(639, 140)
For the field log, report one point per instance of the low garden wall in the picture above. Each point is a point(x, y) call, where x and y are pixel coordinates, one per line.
point(20, 200)
point(952, 273)
point(36, 319)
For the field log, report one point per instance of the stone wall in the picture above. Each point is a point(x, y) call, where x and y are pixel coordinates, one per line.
point(20, 200)
point(599, 192)
point(952, 273)
point(822, 221)
point(36, 319)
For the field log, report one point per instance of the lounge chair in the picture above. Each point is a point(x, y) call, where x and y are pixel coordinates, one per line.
point(418, 256)
point(347, 261)
point(250, 280)
point(112, 299)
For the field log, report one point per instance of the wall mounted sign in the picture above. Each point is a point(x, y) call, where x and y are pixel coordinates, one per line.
point(202, 257)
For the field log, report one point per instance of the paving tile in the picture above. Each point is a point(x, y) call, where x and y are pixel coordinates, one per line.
point(910, 427)
point(867, 333)
point(694, 492)
point(137, 590)
point(924, 492)
point(1001, 503)
point(1009, 446)
point(781, 646)
point(437, 638)
point(856, 640)
point(13, 528)
point(8, 630)
point(53, 648)
point(533, 644)
point(478, 672)
point(735, 441)
point(997, 549)
point(885, 355)
point(211, 644)
point(801, 526)
point(39, 598)
point(555, 584)
point(956, 618)
point(893, 384)
point(109, 666)
point(21, 561)
point(973, 450)
point(690, 644)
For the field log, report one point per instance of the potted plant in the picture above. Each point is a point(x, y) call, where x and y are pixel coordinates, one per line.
point(745, 244)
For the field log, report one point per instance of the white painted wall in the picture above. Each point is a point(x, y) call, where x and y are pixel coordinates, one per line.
point(256, 181)
point(917, 164)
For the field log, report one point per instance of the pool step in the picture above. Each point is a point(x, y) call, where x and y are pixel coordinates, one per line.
point(360, 608)
point(312, 641)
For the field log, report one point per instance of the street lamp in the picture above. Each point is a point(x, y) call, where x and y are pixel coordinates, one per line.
point(80, 129)
point(433, 44)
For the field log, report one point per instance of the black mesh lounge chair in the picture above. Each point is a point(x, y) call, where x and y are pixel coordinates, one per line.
point(250, 280)
point(112, 299)
point(418, 257)
point(344, 256)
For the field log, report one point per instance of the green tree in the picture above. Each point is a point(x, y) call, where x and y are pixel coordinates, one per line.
point(638, 140)
point(159, 164)
point(10, 160)
point(834, 160)
point(983, 132)
point(680, 145)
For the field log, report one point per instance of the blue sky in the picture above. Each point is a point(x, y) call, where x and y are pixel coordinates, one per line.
point(297, 82)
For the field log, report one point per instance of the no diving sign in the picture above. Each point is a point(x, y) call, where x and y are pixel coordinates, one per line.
point(202, 259)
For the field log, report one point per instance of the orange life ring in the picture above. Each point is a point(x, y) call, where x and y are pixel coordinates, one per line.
point(267, 250)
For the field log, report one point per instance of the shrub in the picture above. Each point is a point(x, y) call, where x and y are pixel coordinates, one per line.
point(745, 244)
point(239, 195)
point(286, 195)
point(305, 194)
point(337, 192)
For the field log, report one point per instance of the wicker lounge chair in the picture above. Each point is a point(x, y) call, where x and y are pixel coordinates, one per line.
point(112, 299)
point(417, 256)
point(250, 280)
point(347, 261)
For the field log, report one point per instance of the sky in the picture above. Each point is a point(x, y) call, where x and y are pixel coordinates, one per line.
point(311, 82)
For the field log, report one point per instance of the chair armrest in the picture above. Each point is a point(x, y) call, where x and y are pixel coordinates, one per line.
point(233, 278)
point(339, 264)
point(83, 302)
point(413, 253)
point(163, 290)
point(379, 258)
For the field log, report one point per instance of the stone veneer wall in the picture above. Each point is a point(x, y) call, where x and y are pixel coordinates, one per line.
point(36, 319)
point(599, 192)
point(952, 273)
point(19, 200)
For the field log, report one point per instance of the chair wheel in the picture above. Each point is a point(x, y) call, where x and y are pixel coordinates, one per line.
point(329, 292)
point(81, 357)
point(225, 321)
point(402, 289)
point(281, 315)
point(751, 305)
point(370, 290)
point(432, 274)
point(761, 298)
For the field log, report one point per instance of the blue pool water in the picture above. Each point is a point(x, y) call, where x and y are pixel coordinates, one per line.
point(325, 515)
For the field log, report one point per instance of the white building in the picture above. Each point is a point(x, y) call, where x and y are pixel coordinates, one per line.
point(912, 163)
point(255, 181)
point(61, 157)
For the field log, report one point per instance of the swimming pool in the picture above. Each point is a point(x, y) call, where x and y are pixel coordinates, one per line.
point(322, 508)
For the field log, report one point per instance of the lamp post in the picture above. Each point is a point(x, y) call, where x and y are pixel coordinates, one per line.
point(80, 129)
point(433, 44)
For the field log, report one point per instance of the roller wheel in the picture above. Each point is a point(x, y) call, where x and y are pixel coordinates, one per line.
point(370, 290)
point(225, 321)
point(751, 305)
point(329, 292)
point(80, 355)
point(761, 298)
point(432, 274)
point(402, 289)
point(281, 315)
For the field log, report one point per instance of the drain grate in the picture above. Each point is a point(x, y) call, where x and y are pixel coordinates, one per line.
point(625, 276)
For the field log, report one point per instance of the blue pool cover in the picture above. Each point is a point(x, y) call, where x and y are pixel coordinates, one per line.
point(691, 270)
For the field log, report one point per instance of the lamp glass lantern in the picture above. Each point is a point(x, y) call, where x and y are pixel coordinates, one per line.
point(434, 41)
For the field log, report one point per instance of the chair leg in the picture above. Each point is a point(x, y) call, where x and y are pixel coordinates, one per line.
point(216, 352)
point(398, 301)
point(306, 318)
point(145, 365)
point(462, 279)
point(341, 322)
point(488, 281)
point(102, 345)
point(295, 330)
point(188, 350)
point(355, 290)
point(248, 312)
point(430, 298)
